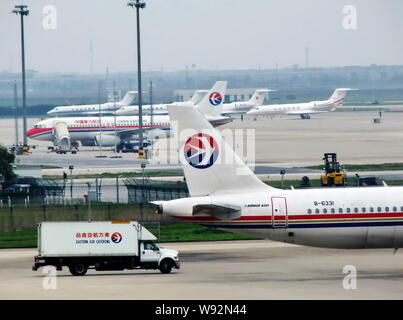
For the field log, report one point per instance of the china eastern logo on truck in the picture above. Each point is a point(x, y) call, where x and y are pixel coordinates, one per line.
point(98, 237)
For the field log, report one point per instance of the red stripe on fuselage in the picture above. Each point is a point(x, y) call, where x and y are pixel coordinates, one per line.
point(333, 216)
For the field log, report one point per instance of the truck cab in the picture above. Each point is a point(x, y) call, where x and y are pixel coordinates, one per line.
point(152, 255)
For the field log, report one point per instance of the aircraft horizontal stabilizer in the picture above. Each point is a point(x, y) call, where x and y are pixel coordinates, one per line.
point(219, 211)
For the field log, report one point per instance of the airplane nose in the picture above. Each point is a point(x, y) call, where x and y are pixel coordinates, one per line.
point(30, 132)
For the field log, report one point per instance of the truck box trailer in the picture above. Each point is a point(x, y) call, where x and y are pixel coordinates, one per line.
point(106, 245)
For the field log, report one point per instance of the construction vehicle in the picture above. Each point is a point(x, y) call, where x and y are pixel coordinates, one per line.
point(333, 171)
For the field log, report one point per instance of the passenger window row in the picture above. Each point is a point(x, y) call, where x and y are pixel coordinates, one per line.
point(355, 210)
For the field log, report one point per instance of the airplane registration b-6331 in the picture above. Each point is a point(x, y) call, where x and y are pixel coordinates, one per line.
point(227, 195)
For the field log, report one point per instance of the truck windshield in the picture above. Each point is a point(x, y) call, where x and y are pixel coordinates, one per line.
point(150, 246)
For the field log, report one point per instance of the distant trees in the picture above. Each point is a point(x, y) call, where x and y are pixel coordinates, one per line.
point(6, 160)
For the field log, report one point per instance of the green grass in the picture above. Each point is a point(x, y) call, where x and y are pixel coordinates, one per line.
point(168, 233)
point(18, 239)
point(41, 166)
point(195, 232)
point(366, 167)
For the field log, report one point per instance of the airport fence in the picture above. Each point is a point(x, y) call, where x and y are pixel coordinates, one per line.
point(79, 192)
point(21, 217)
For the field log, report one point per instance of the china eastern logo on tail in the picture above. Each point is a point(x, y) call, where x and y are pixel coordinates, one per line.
point(201, 151)
point(215, 98)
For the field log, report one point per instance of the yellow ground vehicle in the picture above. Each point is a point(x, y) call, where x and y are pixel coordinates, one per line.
point(333, 172)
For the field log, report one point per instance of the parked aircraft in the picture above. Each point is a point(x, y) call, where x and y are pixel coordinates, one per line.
point(92, 131)
point(227, 195)
point(304, 110)
point(158, 108)
point(93, 109)
point(228, 109)
point(243, 107)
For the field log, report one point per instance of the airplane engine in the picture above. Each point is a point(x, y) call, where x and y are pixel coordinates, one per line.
point(88, 142)
point(106, 140)
point(157, 134)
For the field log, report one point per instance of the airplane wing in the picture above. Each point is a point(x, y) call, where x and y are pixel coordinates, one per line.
point(128, 133)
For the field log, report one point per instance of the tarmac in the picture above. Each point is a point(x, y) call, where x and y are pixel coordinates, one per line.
point(237, 270)
point(282, 142)
point(241, 270)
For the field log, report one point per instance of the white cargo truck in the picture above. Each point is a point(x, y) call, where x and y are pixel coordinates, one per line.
point(116, 245)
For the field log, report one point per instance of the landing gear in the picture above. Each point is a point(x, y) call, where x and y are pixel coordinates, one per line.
point(305, 116)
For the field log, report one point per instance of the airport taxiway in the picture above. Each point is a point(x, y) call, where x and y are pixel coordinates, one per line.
point(220, 270)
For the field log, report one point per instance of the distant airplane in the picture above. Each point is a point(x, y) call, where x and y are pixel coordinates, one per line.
point(93, 109)
point(243, 107)
point(90, 132)
point(226, 194)
point(304, 110)
point(158, 109)
point(228, 109)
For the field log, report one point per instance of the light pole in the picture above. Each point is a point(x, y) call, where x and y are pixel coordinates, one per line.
point(117, 188)
point(143, 166)
point(89, 201)
point(71, 183)
point(23, 11)
point(16, 114)
point(151, 103)
point(139, 5)
point(115, 155)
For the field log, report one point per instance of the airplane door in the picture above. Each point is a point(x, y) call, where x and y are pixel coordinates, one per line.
point(279, 212)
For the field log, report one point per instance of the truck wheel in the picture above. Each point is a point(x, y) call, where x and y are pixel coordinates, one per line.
point(165, 266)
point(78, 269)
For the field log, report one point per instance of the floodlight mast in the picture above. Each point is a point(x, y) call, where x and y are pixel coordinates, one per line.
point(139, 5)
point(23, 11)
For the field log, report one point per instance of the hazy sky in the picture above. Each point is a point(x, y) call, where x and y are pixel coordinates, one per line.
point(212, 34)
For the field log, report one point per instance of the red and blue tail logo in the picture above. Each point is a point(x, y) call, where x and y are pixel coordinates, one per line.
point(201, 151)
point(215, 98)
point(116, 237)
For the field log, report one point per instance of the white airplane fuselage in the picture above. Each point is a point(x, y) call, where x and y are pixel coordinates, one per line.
point(156, 109)
point(294, 108)
point(236, 108)
point(88, 127)
point(355, 218)
point(162, 109)
point(85, 110)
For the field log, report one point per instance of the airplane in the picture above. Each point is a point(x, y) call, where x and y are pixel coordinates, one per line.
point(93, 109)
point(158, 108)
point(243, 107)
point(102, 131)
point(229, 196)
point(228, 109)
point(304, 110)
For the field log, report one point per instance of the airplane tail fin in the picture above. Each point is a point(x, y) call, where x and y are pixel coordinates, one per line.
point(128, 98)
point(258, 97)
point(339, 95)
point(211, 104)
point(197, 96)
point(210, 165)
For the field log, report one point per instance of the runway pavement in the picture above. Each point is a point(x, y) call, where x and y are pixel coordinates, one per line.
point(220, 270)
